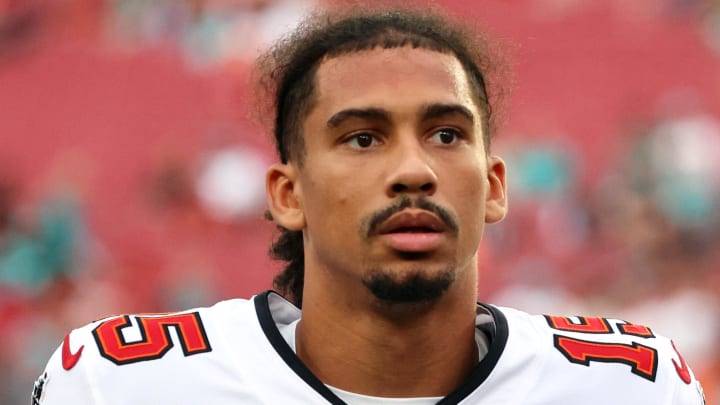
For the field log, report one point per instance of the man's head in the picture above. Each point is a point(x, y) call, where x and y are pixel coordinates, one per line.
point(381, 118)
point(289, 68)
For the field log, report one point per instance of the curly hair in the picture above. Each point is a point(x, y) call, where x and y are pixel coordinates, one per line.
point(287, 79)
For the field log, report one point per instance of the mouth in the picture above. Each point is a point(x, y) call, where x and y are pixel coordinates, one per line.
point(413, 231)
point(412, 221)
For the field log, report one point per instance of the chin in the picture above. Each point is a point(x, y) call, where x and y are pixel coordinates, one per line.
point(414, 286)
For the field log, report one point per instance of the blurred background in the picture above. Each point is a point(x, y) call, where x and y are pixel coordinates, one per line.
point(131, 178)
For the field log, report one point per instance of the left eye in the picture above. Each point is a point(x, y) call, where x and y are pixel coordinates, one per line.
point(445, 136)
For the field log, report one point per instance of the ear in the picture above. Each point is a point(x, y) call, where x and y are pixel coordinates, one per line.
point(496, 199)
point(283, 194)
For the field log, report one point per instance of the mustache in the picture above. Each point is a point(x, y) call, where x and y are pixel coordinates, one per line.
point(377, 218)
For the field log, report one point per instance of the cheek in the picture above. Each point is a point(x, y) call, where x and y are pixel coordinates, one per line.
point(469, 182)
point(329, 202)
point(336, 184)
point(331, 194)
point(469, 192)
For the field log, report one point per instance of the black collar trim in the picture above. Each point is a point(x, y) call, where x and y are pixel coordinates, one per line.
point(267, 323)
point(497, 336)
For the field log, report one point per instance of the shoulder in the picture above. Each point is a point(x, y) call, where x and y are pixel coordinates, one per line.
point(117, 352)
point(609, 354)
point(130, 338)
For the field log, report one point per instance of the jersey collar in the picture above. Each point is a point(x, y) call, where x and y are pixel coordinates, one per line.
point(271, 308)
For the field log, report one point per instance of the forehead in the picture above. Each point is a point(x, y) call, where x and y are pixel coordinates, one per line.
point(394, 79)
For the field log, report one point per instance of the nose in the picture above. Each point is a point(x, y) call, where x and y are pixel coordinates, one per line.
point(411, 173)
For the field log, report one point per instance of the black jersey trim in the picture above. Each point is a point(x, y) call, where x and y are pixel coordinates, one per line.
point(267, 323)
point(497, 335)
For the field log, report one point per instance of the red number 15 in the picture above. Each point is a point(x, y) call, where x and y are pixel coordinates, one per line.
point(641, 359)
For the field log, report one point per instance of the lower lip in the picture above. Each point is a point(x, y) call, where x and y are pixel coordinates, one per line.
point(413, 242)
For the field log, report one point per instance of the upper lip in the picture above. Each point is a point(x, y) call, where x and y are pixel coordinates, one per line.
point(411, 219)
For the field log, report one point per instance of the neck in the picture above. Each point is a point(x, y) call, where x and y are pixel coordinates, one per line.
point(352, 342)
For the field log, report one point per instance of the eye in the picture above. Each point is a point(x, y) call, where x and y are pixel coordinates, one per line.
point(362, 140)
point(446, 136)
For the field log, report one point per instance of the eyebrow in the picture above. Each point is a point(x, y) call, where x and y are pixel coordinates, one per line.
point(428, 112)
point(437, 110)
point(377, 114)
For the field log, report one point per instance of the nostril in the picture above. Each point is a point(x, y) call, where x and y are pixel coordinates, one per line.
point(399, 188)
point(404, 188)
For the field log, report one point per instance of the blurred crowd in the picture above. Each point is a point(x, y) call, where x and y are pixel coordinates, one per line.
point(132, 180)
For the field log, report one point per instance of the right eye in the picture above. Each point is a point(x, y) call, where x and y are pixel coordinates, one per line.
point(362, 140)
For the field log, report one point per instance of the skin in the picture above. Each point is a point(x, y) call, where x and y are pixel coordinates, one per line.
point(370, 140)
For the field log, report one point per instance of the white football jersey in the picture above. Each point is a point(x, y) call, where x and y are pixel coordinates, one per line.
point(233, 353)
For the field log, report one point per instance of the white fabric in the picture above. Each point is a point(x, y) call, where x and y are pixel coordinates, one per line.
point(244, 367)
point(288, 333)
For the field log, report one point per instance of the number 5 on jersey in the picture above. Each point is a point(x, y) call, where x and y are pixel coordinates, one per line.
point(155, 339)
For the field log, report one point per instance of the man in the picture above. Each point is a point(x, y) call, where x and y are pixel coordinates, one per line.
point(384, 186)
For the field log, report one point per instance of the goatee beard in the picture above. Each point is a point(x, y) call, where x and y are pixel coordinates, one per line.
point(414, 288)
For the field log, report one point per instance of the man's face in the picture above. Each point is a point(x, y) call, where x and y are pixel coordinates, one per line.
point(396, 186)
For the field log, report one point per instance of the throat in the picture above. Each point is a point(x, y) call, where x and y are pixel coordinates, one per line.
point(397, 364)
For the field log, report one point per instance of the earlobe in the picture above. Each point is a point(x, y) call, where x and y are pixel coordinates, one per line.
point(283, 195)
point(496, 198)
